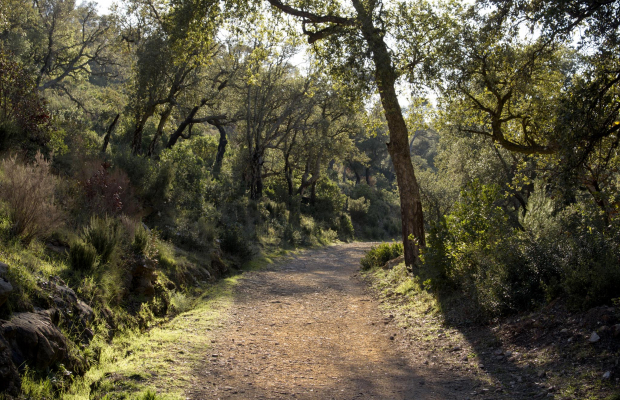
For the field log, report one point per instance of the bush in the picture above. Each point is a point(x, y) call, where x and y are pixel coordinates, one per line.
point(28, 191)
point(108, 191)
point(82, 256)
point(233, 242)
point(105, 235)
point(140, 240)
point(292, 235)
point(377, 256)
point(358, 208)
point(345, 227)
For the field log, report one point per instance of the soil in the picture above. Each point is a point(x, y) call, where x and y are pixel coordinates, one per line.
point(311, 329)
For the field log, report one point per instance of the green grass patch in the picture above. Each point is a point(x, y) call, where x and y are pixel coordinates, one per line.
point(162, 360)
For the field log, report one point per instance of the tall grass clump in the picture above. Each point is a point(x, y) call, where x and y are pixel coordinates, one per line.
point(28, 191)
point(105, 236)
point(377, 256)
point(82, 255)
point(140, 240)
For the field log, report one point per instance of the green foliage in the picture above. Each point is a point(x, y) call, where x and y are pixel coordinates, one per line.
point(345, 227)
point(505, 270)
point(377, 256)
point(148, 395)
point(165, 256)
point(374, 212)
point(82, 255)
point(586, 258)
point(105, 235)
point(233, 241)
point(141, 239)
point(358, 208)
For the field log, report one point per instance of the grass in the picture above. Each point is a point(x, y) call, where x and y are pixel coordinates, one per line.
point(164, 359)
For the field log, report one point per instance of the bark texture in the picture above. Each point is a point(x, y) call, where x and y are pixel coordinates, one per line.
point(410, 204)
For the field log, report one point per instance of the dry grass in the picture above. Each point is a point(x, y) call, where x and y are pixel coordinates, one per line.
point(28, 191)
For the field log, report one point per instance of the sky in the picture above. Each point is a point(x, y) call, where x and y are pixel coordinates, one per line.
point(104, 5)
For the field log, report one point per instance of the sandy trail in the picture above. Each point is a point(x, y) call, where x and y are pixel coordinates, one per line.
point(309, 329)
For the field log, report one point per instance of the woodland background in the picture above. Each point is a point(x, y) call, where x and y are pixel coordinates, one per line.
point(189, 136)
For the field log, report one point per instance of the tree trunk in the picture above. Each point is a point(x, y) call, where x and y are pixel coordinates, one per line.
point(256, 178)
point(358, 178)
point(288, 173)
point(313, 193)
point(368, 176)
point(221, 147)
point(160, 129)
point(136, 144)
point(108, 134)
point(398, 147)
point(179, 132)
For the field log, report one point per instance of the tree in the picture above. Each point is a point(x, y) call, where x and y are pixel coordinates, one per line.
point(173, 43)
point(356, 35)
point(550, 97)
point(23, 112)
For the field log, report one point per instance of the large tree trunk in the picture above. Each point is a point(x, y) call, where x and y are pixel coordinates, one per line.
point(398, 147)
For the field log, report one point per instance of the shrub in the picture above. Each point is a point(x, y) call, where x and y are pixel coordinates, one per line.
point(358, 208)
point(345, 227)
point(377, 256)
point(165, 256)
point(233, 242)
point(181, 302)
point(292, 235)
point(105, 235)
point(140, 240)
point(28, 191)
point(307, 225)
point(108, 192)
point(82, 256)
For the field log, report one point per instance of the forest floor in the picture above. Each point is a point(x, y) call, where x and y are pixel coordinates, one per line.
point(311, 327)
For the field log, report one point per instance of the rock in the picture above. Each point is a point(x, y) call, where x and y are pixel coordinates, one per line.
point(143, 277)
point(10, 381)
point(5, 290)
point(594, 338)
point(607, 375)
point(66, 293)
point(499, 352)
point(74, 310)
point(84, 312)
point(4, 269)
point(394, 262)
point(616, 330)
point(34, 340)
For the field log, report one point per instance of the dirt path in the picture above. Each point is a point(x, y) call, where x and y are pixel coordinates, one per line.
point(309, 329)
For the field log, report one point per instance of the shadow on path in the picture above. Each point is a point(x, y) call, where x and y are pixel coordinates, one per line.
point(308, 329)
